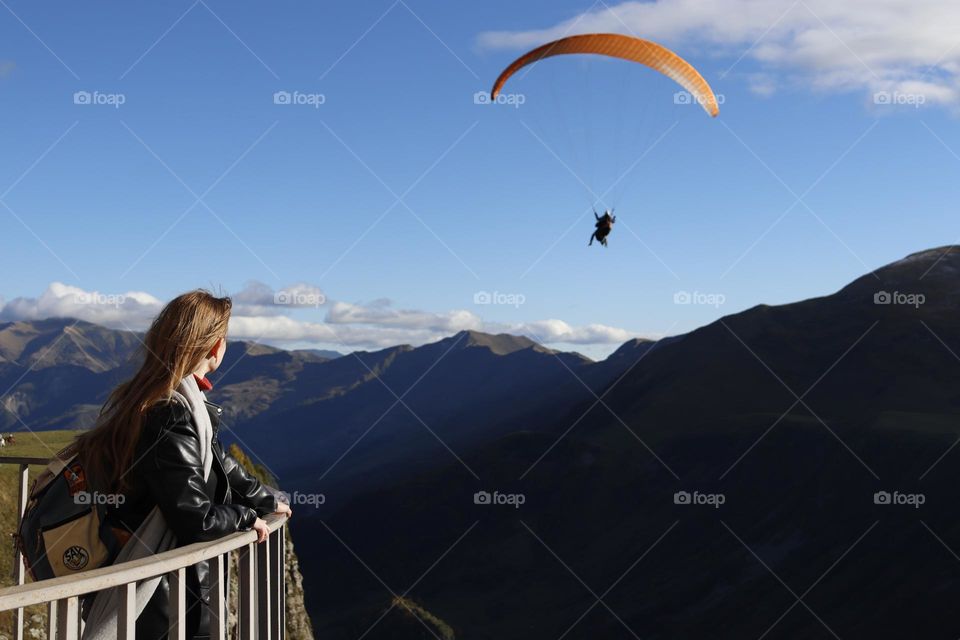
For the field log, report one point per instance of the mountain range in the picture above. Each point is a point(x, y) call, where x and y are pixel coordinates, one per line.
point(783, 472)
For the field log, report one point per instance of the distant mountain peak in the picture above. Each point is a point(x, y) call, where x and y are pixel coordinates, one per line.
point(325, 354)
point(58, 341)
point(939, 261)
point(632, 345)
point(500, 344)
point(949, 252)
point(932, 270)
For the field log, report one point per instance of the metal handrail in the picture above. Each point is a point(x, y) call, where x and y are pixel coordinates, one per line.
point(24, 460)
point(262, 567)
point(127, 572)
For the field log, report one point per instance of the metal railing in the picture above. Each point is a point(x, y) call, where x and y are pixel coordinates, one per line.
point(261, 567)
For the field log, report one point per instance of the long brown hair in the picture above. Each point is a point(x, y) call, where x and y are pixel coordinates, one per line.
point(179, 339)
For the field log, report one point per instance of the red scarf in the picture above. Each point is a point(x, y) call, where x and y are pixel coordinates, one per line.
point(203, 383)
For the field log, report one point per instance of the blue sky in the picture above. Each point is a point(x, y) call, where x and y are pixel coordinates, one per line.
point(399, 199)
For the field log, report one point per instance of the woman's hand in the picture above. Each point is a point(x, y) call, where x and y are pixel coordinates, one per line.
point(262, 530)
point(284, 509)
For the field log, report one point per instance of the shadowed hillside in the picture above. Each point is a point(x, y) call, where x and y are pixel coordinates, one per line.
point(799, 451)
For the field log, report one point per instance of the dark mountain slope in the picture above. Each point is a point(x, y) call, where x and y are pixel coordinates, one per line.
point(709, 414)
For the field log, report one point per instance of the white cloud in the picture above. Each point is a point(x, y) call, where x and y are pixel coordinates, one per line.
point(133, 309)
point(284, 330)
point(380, 313)
point(903, 46)
point(762, 84)
point(257, 316)
point(257, 298)
point(556, 331)
point(254, 295)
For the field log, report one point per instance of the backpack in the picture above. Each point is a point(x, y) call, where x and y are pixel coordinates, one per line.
point(64, 529)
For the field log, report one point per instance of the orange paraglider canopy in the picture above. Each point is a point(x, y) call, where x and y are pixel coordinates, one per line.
point(614, 45)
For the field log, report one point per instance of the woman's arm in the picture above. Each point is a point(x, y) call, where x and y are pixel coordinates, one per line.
point(170, 464)
point(246, 489)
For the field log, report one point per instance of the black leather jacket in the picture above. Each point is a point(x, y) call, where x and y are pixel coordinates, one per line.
point(168, 472)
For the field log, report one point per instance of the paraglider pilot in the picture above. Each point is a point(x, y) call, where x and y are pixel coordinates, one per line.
point(604, 227)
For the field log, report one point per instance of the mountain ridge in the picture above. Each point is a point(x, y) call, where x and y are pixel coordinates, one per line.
point(799, 415)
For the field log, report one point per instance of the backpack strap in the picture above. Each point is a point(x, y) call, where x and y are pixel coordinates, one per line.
point(60, 461)
point(57, 465)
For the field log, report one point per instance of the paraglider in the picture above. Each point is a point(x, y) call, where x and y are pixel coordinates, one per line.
point(604, 227)
point(615, 45)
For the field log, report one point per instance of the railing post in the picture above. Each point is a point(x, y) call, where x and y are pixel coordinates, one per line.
point(264, 617)
point(52, 619)
point(68, 610)
point(276, 583)
point(218, 623)
point(228, 575)
point(178, 604)
point(246, 609)
point(282, 612)
point(127, 616)
point(17, 560)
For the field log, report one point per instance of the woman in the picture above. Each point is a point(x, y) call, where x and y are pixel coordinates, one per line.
point(156, 447)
